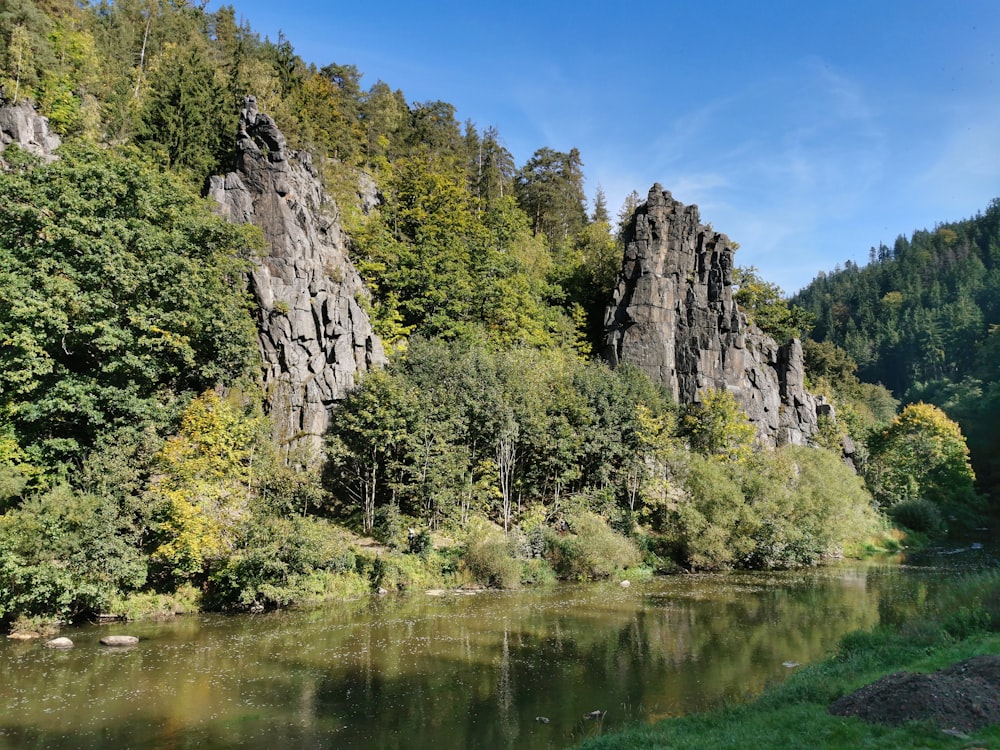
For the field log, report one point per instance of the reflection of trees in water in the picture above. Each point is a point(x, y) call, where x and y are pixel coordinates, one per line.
point(682, 652)
point(469, 671)
point(505, 690)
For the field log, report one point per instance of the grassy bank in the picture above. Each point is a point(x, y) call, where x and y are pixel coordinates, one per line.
point(959, 624)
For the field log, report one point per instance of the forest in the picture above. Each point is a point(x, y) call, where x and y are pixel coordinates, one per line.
point(137, 471)
point(921, 319)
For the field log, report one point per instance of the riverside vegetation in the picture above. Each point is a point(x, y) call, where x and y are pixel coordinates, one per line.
point(137, 470)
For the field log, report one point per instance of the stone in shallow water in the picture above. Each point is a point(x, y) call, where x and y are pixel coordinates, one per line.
point(23, 635)
point(119, 640)
point(59, 643)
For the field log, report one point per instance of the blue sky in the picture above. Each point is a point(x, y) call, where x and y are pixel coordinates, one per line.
point(806, 131)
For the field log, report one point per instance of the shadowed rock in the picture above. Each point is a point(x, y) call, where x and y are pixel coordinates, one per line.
point(673, 316)
point(315, 338)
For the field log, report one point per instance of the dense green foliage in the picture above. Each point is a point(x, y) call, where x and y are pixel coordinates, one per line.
point(66, 554)
point(119, 288)
point(538, 441)
point(921, 319)
point(135, 458)
point(455, 430)
point(129, 351)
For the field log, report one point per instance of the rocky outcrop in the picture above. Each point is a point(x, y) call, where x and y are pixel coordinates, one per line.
point(60, 643)
point(119, 641)
point(315, 337)
point(20, 124)
point(673, 315)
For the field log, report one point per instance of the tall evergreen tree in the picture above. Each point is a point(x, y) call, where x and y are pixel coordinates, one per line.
point(550, 190)
point(187, 115)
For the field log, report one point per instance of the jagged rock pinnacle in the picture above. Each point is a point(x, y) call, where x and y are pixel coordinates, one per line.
point(673, 315)
point(315, 338)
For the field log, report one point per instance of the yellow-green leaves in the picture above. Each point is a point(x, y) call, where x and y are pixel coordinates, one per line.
point(921, 454)
point(18, 63)
point(718, 427)
point(765, 306)
point(205, 483)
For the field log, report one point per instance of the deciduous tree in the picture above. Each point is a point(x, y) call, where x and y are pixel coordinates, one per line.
point(922, 453)
point(204, 484)
point(119, 289)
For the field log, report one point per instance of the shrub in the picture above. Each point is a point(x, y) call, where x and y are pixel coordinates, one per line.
point(278, 562)
point(707, 528)
point(537, 571)
point(391, 527)
point(490, 559)
point(966, 621)
point(918, 515)
point(65, 555)
point(401, 572)
point(782, 508)
point(805, 503)
point(420, 543)
point(972, 601)
point(593, 550)
point(149, 605)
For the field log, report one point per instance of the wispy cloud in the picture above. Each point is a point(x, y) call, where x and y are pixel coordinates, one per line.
point(773, 162)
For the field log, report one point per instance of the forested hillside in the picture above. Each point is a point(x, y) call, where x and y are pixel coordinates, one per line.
point(922, 319)
point(137, 465)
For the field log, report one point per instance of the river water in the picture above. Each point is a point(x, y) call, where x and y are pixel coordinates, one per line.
point(453, 671)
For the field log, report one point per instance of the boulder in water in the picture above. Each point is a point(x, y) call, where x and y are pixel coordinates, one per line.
point(119, 640)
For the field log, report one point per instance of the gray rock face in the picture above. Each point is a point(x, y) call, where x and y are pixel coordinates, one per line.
point(20, 124)
point(314, 336)
point(673, 316)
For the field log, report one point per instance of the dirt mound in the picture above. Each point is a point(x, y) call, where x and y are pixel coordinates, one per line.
point(965, 696)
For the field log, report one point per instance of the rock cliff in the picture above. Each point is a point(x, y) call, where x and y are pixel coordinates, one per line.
point(20, 124)
point(673, 315)
point(314, 336)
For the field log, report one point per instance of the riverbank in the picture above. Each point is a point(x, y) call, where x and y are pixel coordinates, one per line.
point(960, 624)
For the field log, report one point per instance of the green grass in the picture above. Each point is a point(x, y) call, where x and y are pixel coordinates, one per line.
point(795, 714)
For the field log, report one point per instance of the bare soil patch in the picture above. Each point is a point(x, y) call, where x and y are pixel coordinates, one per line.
point(963, 697)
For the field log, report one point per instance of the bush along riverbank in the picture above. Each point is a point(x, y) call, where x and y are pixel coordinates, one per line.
point(931, 681)
point(298, 561)
point(216, 520)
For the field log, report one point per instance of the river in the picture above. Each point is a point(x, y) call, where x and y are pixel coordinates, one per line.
point(492, 670)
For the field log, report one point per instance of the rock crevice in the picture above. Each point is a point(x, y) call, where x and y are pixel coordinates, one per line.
point(673, 315)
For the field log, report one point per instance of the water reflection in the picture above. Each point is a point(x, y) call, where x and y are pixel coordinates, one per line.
point(440, 672)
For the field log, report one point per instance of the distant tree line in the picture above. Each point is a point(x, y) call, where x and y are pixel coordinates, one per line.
point(921, 318)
